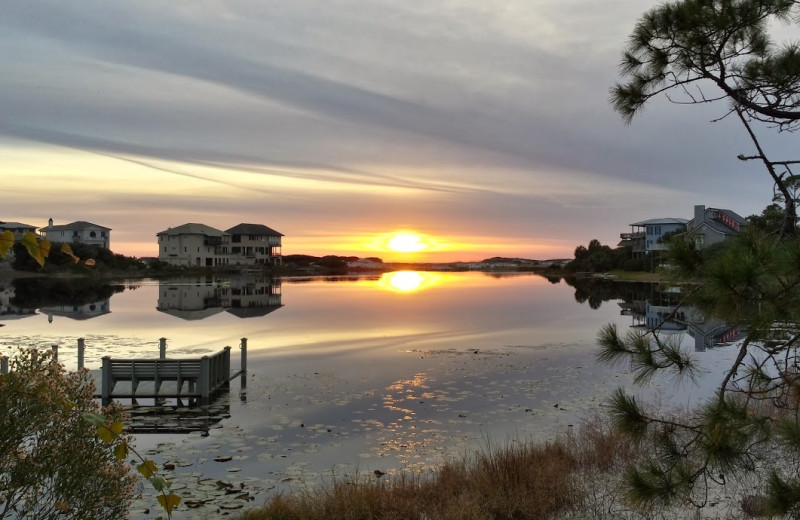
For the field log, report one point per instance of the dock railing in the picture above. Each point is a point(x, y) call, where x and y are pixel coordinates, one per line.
point(202, 377)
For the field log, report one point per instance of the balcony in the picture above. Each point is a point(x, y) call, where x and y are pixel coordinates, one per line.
point(639, 235)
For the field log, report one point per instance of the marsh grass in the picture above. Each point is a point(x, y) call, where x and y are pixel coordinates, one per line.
point(516, 480)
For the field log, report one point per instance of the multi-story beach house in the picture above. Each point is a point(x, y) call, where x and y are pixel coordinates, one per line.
point(199, 245)
point(648, 235)
point(81, 232)
point(710, 225)
point(714, 225)
point(193, 245)
point(255, 244)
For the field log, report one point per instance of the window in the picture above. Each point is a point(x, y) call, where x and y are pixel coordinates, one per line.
point(93, 234)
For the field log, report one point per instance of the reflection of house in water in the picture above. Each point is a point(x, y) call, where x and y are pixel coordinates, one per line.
point(200, 298)
point(9, 311)
point(650, 316)
point(78, 312)
point(670, 319)
point(713, 333)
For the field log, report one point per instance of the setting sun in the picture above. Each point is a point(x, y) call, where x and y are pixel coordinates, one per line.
point(406, 243)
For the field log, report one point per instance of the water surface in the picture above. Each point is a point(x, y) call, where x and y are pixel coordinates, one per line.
point(390, 373)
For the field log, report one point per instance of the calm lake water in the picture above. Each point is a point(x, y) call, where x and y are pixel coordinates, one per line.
point(351, 375)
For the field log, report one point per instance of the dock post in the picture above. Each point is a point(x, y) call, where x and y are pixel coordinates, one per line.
point(81, 349)
point(107, 384)
point(55, 352)
point(204, 379)
point(243, 346)
point(4, 365)
point(226, 367)
point(162, 348)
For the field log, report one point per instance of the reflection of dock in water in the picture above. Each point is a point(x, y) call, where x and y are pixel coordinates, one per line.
point(185, 416)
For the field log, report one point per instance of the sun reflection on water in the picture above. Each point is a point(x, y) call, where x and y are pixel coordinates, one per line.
point(408, 281)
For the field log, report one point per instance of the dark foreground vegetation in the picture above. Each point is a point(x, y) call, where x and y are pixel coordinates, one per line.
point(513, 481)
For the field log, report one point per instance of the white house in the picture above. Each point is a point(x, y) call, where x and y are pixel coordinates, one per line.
point(81, 232)
point(199, 245)
point(194, 245)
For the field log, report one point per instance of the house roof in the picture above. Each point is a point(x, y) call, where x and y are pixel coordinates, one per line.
point(720, 226)
point(74, 226)
point(661, 221)
point(735, 216)
point(253, 312)
point(192, 229)
point(253, 229)
point(15, 225)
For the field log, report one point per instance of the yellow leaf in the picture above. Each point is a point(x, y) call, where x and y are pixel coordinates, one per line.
point(168, 502)
point(116, 427)
point(121, 451)
point(89, 262)
point(105, 434)
point(31, 243)
point(6, 241)
point(148, 468)
point(67, 250)
point(44, 248)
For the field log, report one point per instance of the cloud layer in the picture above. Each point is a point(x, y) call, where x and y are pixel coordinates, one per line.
point(488, 125)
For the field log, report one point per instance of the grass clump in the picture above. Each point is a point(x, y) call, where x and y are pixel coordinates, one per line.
point(519, 480)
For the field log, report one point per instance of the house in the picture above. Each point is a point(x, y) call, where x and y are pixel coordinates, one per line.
point(648, 235)
point(17, 228)
point(254, 244)
point(199, 245)
point(195, 245)
point(81, 232)
point(714, 225)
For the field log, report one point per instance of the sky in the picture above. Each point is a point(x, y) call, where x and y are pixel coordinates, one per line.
point(484, 127)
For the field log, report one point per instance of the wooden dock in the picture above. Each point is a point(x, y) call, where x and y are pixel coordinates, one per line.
point(190, 378)
point(197, 380)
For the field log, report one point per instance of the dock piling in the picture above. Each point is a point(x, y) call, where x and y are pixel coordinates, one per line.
point(4, 365)
point(162, 348)
point(81, 349)
point(243, 347)
point(55, 352)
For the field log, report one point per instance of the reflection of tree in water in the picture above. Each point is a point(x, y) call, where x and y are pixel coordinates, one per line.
point(43, 292)
point(595, 291)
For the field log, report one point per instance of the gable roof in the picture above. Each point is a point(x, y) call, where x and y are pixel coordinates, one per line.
point(76, 226)
point(661, 221)
point(252, 229)
point(192, 229)
point(718, 224)
point(15, 225)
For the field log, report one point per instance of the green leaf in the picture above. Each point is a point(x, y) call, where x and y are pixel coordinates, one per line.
point(93, 418)
point(159, 483)
point(147, 468)
point(169, 502)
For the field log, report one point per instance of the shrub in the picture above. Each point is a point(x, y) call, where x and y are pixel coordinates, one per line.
point(52, 462)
